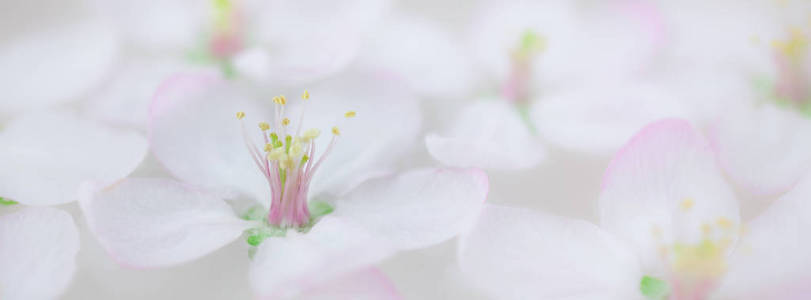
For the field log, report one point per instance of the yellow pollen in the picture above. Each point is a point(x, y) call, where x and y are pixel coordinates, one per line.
point(310, 134)
point(350, 114)
point(240, 115)
point(336, 131)
point(687, 204)
point(268, 147)
point(305, 95)
point(286, 121)
point(264, 126)
point(282, 100)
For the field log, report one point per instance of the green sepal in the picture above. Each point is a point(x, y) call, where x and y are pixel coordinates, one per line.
point(255, 213)
point(654, 288)
point(4, 201)
point(319, 209)
point(255, 236)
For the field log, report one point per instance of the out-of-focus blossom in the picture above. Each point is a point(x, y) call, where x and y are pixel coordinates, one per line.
point(46, 157)
point(316, 214)
point(670, 229)
point(559, 71)
point(758, 85)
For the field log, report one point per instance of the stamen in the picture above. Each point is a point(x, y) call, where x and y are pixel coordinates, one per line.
point(336, 131)
point(240, 115)
point(264, 126)
point(305, 95)
point(350, 114)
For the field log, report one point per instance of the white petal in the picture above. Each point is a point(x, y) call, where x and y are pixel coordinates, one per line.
point(55, 65)
point(772, 259)
point(47, 155)
point(648, 182)
point(365, 284)
point(599, 119)
point(126, 98)
point(151, 223)
point(417, 208)
point(488, 134)
point(38, 249)
point(159, 26)
point(428, 58)
point(194, 132)
point(288, 266)
point(515, 253)
point(765, 149)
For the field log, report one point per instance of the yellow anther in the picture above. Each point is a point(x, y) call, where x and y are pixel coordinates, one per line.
point(286, 121)
point(350, 114)
point(687, 204)
point(336, 131)
point(305, 95)
point(264, 126)
point(296, 149)
point(240, 115)
point(724, 223)
point(277, 154)
point(310, 134)
point(268, 147)
point(282, 100)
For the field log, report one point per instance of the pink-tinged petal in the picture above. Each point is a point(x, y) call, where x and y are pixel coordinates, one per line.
point(418, 208)
point(764, 149)
point(373, 142)
point(514, 253)
point(335, 247)
point(38, 249)
point(125, 99)
point(194, 132)
point(151, 223)
point(488, 134)
point(364, 284)
point(429, 59)
point(310, 39)
point(159, 26)
point(599, 119)
point(55, 65)
point(662, 187)
point(47, 155)
point(772, 260)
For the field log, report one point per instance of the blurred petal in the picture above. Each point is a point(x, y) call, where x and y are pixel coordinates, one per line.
point(151, 223)
point(55, 65)
point(418, 208)
point(772, 260)
point(515, 253)
point(195, 134)
point(488, 134)
point(38, 249)
point(765, 149)
point(428, 58)
point(47, 155)
point(665, 183)
point(599, 119)
point(158, 26)
point(126, 98)
point(285, 267)
point(364, 284)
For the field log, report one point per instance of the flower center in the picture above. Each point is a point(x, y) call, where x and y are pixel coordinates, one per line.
point(517, 86)
point(288, 163)
point(792, 86)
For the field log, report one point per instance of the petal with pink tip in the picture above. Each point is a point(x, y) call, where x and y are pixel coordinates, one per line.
point(288, 266)
point(38, 249)
point(764, 149)
point(514, 253)
point(151, 223)
point(772, 257)
point(47, 155)
point(364, 284)
point(662, 187)
point(417, 208)
point(55, 65)
point(488, 134)
point(194, 132)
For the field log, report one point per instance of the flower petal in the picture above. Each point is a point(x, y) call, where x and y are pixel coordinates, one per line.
point(772, 257)
point(488, 134)
point(601, 118)
point(417, 208)
point(151, 223)
point(285, 267)
point(47, 155)
point(55, 65)
point(159, 26)
point(662, 187)
point(515, 253)
point(365, 284)
point(195, 134)
point(38, 249)
point(764, 149)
